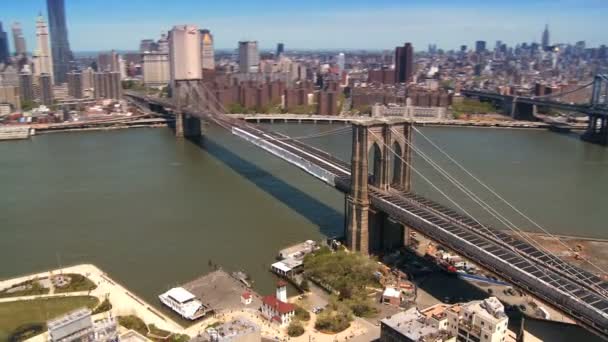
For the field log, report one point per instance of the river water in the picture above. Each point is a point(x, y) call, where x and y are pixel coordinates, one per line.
point(155, 212)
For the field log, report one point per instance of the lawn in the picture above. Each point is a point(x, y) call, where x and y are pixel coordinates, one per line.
point(34, 289)
point(77, 283)
point(16, 314)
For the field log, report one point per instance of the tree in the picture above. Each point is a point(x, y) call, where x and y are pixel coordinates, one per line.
point(304, 286)
point(295, 329)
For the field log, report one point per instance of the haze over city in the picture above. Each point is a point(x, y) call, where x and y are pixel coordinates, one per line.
point(341, 24)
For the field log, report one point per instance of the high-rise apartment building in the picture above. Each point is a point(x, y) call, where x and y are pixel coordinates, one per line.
point(404, 63)
point(480, 46)
point(75, 84)
point(43, 62)
point(46, 89)
point(207, 52)
point(185, 53)
point(545, 38)
point(280, 50)
point(249, 56)
point(18, 39)
point(107, 85)
point(62, 55)
point(4, 54)
point(162, 45)
point(26, 86)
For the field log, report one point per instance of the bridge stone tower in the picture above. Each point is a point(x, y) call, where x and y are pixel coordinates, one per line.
point(384, 139)
point(188, 94)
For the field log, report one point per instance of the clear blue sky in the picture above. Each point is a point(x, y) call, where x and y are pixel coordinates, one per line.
point(348, 24)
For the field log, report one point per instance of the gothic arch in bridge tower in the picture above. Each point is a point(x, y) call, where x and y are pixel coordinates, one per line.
point(374, 142)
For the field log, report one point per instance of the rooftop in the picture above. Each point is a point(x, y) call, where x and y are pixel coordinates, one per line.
point(68, 318)
point(232, 329)
point(412, 324)
point(180, 294)
point(278, 305)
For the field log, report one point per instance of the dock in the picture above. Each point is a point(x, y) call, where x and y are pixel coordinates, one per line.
point(14, 132)
point(221, 292)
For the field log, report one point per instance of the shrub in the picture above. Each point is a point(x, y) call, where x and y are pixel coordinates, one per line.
point(103, 307)
point(333, 322)
point(302, 314)
point(133, 323)
point(295, 329)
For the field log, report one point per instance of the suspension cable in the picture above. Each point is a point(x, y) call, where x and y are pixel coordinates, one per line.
point(501, 218)
point(492, 191)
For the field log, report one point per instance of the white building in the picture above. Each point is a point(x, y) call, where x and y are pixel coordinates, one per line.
point(184, 303)
point(276, 308)
point(156, 69)
point(476, 321)
point(479, 321)
point(43, 61)
point(411, 112)
point(185, 53)
point(78, 325)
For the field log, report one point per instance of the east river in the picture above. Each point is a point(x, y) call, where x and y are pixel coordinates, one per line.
point(155, 212)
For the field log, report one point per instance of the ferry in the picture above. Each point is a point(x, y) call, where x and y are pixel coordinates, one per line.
point(183, 303)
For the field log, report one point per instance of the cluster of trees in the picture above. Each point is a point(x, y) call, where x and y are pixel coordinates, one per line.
point(470, 106)
point(350, 275)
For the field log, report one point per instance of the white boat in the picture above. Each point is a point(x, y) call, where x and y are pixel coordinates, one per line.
point(184, 303)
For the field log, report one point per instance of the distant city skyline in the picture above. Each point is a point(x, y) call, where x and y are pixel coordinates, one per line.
point(316, 24)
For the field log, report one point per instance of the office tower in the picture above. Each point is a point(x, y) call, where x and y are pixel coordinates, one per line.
point(340, 61)
point(147, 45)
point(156, 69)
point(46, 89)
point(480, 46)
point(4, 54)
point(62, 54)
point(75, 84)
point(249, 57)
point(18, 39)
point(43, 62)
point(463, 48)
point(162, 45)
point(280, 49)
point(404, 63)
point(26, 86)
point(207, 53)
point(545, 38)
point(185, 53)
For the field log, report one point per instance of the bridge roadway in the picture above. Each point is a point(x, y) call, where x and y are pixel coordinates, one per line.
point(582, 295)
point(581, 108)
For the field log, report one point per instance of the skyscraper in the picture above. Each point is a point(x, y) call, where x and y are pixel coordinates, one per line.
point(43, 63)
point(75, 84)
point(62, 55)
point(185, 53)
point(404, 63)
point(26, 86)
point(280, 49)
point(4, 54)
point(18, 39)
point(480, 46)
point(341, 60)
point(46, 89)
point(249, 57)
point(545, 38)
point(207, 53)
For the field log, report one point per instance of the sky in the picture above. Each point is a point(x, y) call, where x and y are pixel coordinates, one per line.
point(96, 25)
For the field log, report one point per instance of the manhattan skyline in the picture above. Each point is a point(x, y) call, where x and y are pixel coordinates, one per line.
point(354, 24)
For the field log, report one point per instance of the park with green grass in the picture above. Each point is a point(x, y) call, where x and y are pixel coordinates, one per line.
point(25, 317)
